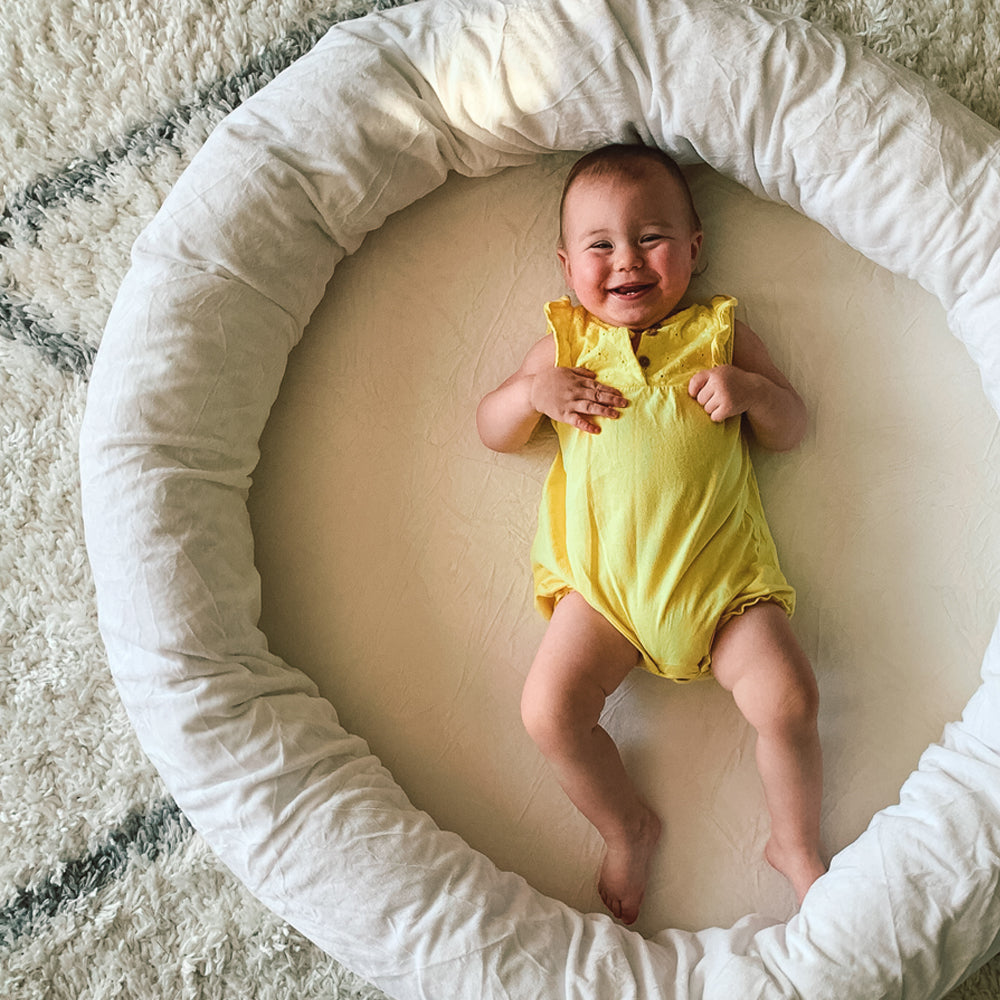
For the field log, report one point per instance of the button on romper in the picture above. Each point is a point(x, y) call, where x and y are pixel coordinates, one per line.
point(656, 521)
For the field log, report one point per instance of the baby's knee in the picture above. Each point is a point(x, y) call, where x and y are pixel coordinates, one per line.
point(534, 717)
point(796, 707)
point(554, 711)
point(540, 713)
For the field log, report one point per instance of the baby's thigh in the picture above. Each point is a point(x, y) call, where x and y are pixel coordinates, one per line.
point(757, 657)
point(582, 657)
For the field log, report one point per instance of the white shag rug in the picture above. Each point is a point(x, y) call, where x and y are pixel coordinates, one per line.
point(104, 888)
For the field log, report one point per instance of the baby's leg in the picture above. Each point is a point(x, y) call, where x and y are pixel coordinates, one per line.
point(581, 660)
point(756, 656)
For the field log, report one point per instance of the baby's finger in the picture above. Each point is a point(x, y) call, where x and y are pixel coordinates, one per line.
point(594, 406)
point(609, 396)
point(719, 408)
point(591, 380)
point(698, 381)
point(584, 408)
point(581, 423)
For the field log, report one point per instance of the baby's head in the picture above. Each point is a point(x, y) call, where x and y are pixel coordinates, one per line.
point(629, 235)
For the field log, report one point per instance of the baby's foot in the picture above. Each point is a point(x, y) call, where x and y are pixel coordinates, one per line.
point(801, 867)
point(625, 870)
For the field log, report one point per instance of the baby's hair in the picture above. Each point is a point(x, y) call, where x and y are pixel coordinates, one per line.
point(626, 161)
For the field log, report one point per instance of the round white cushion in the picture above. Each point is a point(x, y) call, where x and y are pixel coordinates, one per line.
point(222, 284)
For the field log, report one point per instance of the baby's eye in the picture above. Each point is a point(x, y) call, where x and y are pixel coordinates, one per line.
point(651, 237)
point(601, 245)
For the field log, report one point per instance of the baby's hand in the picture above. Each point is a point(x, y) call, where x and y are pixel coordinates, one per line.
point(570, 395)
point(725, 391)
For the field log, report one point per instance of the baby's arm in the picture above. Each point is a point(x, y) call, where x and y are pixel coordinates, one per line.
point(507, 416)
point(752, 385)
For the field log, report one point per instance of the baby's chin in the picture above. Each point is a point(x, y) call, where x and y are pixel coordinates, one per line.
point(635, 305)
point(633, 316)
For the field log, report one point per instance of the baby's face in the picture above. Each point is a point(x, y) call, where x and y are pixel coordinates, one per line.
point(629, 248)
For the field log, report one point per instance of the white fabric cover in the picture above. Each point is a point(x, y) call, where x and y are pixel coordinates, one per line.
point(222, 285)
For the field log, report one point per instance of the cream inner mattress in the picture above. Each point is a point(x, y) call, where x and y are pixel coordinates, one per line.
point(393, 546)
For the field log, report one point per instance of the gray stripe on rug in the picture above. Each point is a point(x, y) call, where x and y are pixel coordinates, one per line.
point(63, 350)
point(24, 214)
point(159, 830)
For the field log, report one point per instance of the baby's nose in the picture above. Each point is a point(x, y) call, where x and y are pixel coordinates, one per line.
point(627, 257)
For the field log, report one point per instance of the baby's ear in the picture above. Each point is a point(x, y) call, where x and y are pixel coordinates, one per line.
point(566, 270)
point(696, 240)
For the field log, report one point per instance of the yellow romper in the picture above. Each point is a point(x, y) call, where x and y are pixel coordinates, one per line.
point(656, 521)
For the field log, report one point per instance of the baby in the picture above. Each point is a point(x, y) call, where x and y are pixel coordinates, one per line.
point(652, 548)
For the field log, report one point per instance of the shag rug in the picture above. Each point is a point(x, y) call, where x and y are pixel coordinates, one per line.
point(105, 890)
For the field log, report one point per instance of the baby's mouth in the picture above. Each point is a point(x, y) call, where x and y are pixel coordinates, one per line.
point(630, 291)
